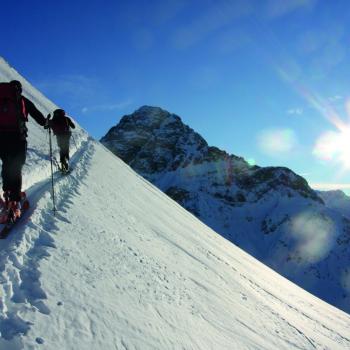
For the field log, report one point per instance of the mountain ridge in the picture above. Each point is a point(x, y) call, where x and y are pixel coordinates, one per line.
point(271, 212)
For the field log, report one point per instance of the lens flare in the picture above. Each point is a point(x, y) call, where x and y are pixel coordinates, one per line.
point(277, 142)
point(251, 161)
point(331, 145)
point(334, 146)
point(314, 235)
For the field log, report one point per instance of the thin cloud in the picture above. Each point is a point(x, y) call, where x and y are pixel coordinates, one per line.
point(325, 47)
point(232, 40)
point(312, 41)
point(330, 186)
point(69, 85)
point(204, 78)
point(331, 56)
point(166, 10)
point(295, 111)
point(79, 91)
point(277, 142)
point(143, 39)
point(221, 14)
point(107, 107)
point(335, 98)
point(279, 8)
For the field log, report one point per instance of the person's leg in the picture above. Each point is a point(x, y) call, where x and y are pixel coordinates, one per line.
point(3, 153)
point(64, 150)
point(12, 169)
point(65, 146)
point(59, 144)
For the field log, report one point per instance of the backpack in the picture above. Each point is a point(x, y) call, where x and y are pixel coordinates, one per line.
point(13, 113)
point(60, 126)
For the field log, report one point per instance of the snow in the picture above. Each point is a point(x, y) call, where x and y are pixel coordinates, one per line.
point(337, 200)
point(122, 266)
point(270, 212)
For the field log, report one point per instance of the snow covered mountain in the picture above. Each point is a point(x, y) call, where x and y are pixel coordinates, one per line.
point(336, 200)
point(122, 266)
point(270, 212)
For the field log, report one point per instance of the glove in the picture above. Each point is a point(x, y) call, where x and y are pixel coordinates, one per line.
point(47, 123)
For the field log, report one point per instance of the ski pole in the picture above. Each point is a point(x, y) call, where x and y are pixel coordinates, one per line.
point(75, 144)
point(52, 182)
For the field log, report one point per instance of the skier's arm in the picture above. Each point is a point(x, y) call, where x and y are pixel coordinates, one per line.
point(70, 123)
point(34, 112)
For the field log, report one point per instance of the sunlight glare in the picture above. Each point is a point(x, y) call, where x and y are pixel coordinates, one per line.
point(334, 146)
point(314, 234)
point(277, 142)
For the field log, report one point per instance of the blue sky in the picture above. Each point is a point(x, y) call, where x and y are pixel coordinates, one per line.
point(268, 80)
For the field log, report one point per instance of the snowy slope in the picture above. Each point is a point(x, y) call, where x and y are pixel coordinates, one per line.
point(38, 139)
point(270, 212)
point(122, 266)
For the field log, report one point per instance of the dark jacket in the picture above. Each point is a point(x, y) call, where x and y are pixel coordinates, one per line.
point(61, 125)
point(34, 112)
point(22, 131)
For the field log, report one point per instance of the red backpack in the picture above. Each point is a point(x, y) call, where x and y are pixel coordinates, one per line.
point(12, 108)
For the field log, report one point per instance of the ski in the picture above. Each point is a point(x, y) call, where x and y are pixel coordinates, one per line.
point(6, 228)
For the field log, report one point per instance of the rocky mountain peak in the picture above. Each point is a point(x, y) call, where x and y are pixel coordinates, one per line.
point(148, 116)
point(271, 212)
point(155, 142)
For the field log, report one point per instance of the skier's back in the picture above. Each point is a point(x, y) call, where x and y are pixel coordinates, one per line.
point(61, 125)
point(14, 111)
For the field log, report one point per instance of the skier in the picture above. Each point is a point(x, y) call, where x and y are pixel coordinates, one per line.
point(14, 110)
point(61, 125)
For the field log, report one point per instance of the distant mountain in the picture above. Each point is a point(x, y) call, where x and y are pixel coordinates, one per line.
point(270, 212)
point(336, 200)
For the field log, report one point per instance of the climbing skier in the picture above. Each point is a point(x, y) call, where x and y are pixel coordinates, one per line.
point(14, 110)
point(61, 125)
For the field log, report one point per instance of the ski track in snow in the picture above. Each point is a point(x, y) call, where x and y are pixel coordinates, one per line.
point(28, 243)
point(23, 294)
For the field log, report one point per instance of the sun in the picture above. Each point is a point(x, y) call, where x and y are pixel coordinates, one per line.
point(335, 145)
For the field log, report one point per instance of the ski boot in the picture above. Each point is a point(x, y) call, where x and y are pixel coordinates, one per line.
point(4, 202)
point(3, 211)
point(64, 167)
point(14, 211)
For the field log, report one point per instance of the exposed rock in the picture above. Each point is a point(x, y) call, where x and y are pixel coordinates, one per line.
point(271, 212)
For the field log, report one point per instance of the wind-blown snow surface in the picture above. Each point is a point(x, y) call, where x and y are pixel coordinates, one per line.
point(122, 266)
